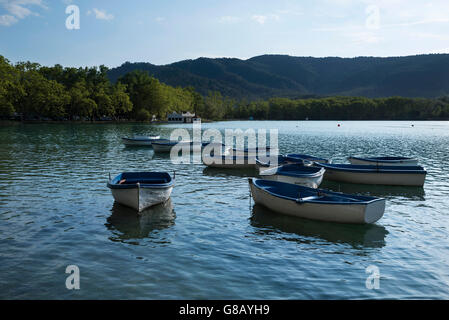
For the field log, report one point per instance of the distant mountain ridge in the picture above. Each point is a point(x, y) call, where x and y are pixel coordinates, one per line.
point(267, 76)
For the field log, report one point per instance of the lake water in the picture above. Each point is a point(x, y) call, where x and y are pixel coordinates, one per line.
point(210, 241)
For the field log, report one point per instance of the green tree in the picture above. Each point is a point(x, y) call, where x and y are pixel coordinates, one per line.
point(213, 103)
point(10, 89)
point(77, 106)
point(121, 101)
point(42, 97)
point(104, 103)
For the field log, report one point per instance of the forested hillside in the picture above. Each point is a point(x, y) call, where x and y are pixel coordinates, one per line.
point(286, 76)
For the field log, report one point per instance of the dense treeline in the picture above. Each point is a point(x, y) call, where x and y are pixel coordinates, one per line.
point(344, 108)
point(31, 91)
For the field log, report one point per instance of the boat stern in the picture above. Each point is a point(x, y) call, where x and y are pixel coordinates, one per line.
point(374, 211)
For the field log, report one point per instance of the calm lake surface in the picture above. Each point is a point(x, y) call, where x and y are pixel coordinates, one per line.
point(210, 241)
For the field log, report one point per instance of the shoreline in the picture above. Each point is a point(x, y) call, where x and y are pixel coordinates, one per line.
point(6, 122)
point(91, 122)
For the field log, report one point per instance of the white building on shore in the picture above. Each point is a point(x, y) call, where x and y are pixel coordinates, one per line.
point(184, 117)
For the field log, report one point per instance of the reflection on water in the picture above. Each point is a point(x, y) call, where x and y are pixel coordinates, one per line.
point(127, 224)
point(131, 147)
point(411, 193)
point(219, 172)
point(268, 222)
point(161, 155)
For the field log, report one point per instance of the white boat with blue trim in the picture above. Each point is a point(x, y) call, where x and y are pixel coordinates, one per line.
point(140, 140)
point(316, 204)
point(140, 190)
point(383, 175)
point(229, 161)
point(167, 145)
point(268, 162)
point(383, 161)
point(308, 158)
point(252, 151)
point(295, 174)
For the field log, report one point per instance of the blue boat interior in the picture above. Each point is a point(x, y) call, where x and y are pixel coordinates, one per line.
point(298, 169)
point(382, 158)
point(304, 194)
point(138, 139)
point(374, 168)
point(167, 143)
point(281, 160)
point(304, 157)
point(143, 178)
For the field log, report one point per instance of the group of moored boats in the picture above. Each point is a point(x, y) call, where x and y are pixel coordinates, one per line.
point(287, 184)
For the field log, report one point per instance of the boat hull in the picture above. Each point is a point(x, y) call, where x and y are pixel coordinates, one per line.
point(308, 158)
point(140, 140)
point(136, 142)
point(342, 213)
point(252, 152)
point(190, 146)
point(357, 161)
point(162, 147)
point(311, 182)
point(229, 162)
point(381, 178)
point(141, 198)
point(167, 147)
point(262, 166)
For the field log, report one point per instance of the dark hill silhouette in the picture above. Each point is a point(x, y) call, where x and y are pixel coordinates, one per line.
point(281, 75)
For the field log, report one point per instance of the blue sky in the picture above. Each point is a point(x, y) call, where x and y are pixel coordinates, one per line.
point(112, 32)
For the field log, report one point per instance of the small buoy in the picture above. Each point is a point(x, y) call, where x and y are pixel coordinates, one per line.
point(413, 125)
point(338, 124)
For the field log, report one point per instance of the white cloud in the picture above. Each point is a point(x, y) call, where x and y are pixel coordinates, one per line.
point(159, 19)
point(259, 19)
point(17, 9)
point(102, 14)
point(7, 20)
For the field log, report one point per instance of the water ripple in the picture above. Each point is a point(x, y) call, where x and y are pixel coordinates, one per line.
point(210, 241)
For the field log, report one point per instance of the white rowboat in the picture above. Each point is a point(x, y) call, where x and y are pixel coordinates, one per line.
point(385, 175)
point(316, 204)
point(229, 162)
point(384, 161)
point(268, 162)
point(252, 151)
point(295, 174)
point(166, 146)
point(140, 140)
point(140, 190)
point(307, 158)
